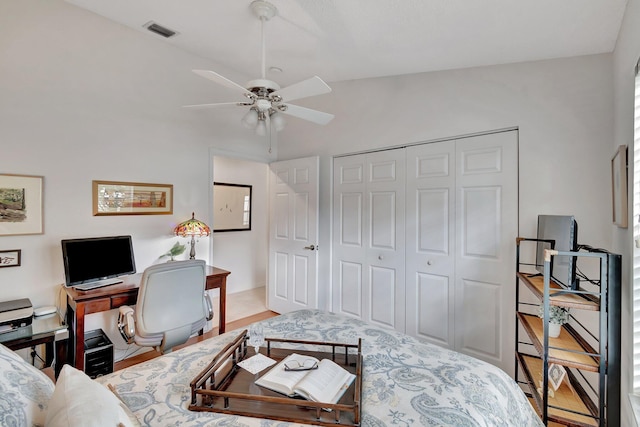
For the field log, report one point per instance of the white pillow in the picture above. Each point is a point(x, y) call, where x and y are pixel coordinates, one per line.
point(24, 391)
point(80, 401)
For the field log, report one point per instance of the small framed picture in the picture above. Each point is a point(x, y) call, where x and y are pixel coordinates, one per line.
point(10, 258)
point(619, 187)
point(556, 375)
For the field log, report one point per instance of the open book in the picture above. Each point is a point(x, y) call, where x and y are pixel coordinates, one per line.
point(325, 384)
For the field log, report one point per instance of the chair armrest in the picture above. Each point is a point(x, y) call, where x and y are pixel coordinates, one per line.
point(208, 306)
point(126, 323)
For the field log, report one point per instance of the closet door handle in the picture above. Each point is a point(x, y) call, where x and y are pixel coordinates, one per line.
point(310, 247)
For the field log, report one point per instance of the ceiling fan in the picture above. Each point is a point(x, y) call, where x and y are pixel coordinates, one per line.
point(266, 100)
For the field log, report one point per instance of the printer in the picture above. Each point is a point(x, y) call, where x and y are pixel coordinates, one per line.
point(15, 314)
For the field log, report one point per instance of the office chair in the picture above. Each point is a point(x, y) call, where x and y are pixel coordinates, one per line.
point(172, 305)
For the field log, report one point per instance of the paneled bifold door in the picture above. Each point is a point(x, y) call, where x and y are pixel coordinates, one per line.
point(424, 242)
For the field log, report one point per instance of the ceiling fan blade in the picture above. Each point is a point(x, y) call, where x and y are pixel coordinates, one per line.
point(221, 80)
point(310, 87)
point(314, 116)
point(219, 104)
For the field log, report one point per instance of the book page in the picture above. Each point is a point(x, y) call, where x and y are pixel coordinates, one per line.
point(326, 384)
point(282, 381)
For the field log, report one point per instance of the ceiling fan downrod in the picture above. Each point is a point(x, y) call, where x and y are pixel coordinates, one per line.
point(264, 11)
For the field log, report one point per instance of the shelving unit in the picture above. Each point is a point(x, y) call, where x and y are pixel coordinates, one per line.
point(590, 396)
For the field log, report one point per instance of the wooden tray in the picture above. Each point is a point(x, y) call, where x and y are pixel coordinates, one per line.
point(226, 388)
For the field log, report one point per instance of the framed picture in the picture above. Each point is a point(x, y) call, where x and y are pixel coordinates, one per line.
point(556, 375)
point(231, 207)
point(10, 258)
point(21, 205)
point(132, 198)
point(619, 187)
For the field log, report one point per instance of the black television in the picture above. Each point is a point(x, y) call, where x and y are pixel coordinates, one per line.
point(97, 258)
point(561, 233)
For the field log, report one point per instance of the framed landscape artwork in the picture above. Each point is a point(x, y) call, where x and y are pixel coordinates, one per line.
point(132, 198)
point(21, 205)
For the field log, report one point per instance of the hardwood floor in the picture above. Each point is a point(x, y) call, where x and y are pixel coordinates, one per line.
point(230, 326)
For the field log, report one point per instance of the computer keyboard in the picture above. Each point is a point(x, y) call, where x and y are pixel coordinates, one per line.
point(97, 284)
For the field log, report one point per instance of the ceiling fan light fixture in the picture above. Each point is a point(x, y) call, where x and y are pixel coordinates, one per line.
point(277, 121)
point(267, 101)
point(250, 120)
point(261, 128)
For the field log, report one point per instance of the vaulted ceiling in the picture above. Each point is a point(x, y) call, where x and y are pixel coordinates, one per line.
point(353, 39)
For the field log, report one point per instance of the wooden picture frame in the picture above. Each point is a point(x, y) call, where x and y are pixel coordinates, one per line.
point(231, 207)
point(21, 207)
point(10, 258)
point(132, 198)
point(619, 187)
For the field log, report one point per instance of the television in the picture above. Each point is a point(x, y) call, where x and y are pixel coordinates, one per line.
point(562, 231)
point(97, 258)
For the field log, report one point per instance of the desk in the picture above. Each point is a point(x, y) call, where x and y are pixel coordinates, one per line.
point(47, 330)
point(81, 303)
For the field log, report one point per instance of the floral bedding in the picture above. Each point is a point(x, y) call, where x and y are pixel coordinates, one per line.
point(405, 381)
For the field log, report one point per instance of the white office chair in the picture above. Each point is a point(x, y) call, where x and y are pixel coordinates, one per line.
point(172, 305)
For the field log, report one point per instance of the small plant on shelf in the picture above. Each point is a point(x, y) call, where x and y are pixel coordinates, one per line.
point(557, 316)
point(175, 250)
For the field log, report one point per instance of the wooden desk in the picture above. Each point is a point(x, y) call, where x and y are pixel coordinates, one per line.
point(81, 303)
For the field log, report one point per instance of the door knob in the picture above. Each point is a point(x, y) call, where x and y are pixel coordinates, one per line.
point(380, 257)
point(429, 262)
point(310, 247)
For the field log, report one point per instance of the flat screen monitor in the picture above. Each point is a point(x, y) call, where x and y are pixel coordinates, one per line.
point(97, 258)
point(562, 232)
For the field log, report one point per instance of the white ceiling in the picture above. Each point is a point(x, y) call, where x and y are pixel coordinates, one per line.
point(353, 39)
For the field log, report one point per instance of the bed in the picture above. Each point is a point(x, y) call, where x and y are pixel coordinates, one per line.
point(405, 381)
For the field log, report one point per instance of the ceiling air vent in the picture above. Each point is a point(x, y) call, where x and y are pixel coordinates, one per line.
point(159, 29)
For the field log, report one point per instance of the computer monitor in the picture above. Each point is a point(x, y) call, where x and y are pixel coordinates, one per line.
point(562, 231)
point(97, 258)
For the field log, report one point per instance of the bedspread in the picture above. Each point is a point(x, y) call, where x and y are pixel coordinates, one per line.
point(405, 381)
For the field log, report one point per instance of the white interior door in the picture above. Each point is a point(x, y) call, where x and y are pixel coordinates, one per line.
point(486, 227)
point(368, 241)
point(293, 235)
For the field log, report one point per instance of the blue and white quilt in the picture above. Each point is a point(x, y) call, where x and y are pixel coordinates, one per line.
point(405, 381)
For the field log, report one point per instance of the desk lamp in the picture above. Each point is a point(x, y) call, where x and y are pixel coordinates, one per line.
point(192, 227)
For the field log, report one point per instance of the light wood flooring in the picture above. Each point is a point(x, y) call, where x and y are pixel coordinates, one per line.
point(237, 324)
point(243, 308)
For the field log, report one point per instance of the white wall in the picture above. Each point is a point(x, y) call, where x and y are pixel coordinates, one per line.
point(82, 98)
point(625, 57)
point(244, 253)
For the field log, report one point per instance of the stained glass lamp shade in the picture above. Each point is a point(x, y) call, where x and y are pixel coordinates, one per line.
point(192, 227)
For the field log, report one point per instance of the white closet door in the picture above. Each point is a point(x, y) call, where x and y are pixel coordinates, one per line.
point(430, 235)
point(369, 243)
point(486, 227)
